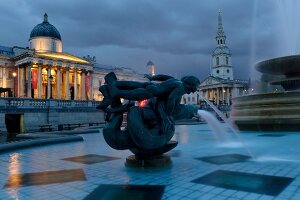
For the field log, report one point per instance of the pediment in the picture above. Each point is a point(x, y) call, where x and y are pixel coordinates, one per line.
point(210, 81)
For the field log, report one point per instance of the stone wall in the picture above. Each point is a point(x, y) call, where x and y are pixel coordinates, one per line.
point(34, 118)
point(36, 113)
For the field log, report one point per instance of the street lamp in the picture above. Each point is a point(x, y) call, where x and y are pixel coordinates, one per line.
point(14, 74)
point(50, 79)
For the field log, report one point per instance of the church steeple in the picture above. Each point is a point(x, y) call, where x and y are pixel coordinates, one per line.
point(221, 56)
point(221, 37)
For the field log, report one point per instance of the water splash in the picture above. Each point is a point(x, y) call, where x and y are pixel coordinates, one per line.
point(231, 126)
point(231, 145)
point(273, 158)
point(215, 125)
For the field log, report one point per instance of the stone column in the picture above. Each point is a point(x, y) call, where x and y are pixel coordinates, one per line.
point(83, 93)
point(228, 96)
point(206, 94)
point(24, 82)
point(91, 86)
point(218, 96)
point(48, 82)
point(40, 80)
point(67, 83)
point(58, 83)
point(29, 81)
point(223, 95)
point(75, 85)
point(4, 76)
point(19, 81)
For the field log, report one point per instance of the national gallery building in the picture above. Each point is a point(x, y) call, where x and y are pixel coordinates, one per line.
point(43, 70)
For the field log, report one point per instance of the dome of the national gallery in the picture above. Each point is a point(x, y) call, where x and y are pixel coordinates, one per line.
point(45, 29)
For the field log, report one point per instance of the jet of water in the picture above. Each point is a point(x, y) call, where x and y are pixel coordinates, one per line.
point(232, 126)
point(214, 124)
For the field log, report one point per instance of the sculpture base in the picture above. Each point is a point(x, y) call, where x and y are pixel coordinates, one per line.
point(151, 162)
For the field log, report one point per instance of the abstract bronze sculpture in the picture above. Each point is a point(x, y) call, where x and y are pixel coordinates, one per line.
point(150, 127)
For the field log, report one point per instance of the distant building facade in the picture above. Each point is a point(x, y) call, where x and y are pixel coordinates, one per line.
point(151, 68)
point(220, 86)
point(122, 74)
point(43, 70)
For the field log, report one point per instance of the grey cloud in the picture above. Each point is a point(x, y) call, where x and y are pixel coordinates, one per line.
point(178, 36)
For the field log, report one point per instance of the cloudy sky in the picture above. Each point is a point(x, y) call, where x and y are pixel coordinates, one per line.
point(177, 35)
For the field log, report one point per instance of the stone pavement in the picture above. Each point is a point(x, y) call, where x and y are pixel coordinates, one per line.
point(205, 166)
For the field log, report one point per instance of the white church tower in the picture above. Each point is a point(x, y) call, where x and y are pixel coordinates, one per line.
point(221, 56)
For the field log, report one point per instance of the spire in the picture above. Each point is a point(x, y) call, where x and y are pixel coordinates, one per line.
point(221, 56)
point(220, 33)
point(220, 27)
point(45, 18)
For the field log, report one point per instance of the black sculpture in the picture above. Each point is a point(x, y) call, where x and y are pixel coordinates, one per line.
point(150, 127)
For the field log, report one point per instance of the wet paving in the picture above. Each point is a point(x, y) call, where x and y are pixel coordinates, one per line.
point(225, 159)
point(90, 159)
point(248, 182)
point(203, 167)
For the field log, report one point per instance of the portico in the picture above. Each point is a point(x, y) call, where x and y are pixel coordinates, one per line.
point(220, 94)
point(54, 75)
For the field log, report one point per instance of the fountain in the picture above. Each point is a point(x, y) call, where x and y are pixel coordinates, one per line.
point(277, 110)
point(276, 106)
point(151, 124)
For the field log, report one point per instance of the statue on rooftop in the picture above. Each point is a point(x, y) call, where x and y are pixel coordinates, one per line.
point(150, 126)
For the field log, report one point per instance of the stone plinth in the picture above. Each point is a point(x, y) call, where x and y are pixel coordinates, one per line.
point(150, 162)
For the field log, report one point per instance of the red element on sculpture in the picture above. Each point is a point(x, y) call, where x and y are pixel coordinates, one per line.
point(142, 103)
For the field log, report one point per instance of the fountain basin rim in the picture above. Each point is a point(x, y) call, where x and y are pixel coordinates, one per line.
point(286, 65)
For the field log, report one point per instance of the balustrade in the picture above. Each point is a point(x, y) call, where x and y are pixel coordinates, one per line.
point(42, 103)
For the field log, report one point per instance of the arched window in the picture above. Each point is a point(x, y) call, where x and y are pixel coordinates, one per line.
point(226, 60)
point(218, 71)
point(218, 61)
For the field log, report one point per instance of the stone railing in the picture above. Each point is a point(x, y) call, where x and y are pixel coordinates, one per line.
point(44, 103)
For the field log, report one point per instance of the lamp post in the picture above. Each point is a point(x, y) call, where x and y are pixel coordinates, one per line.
point(14, 74)
point(50, 78)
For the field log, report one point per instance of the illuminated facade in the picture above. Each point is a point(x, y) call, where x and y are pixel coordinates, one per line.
point(220, 87)
point(43, 70)
point(122, 74)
